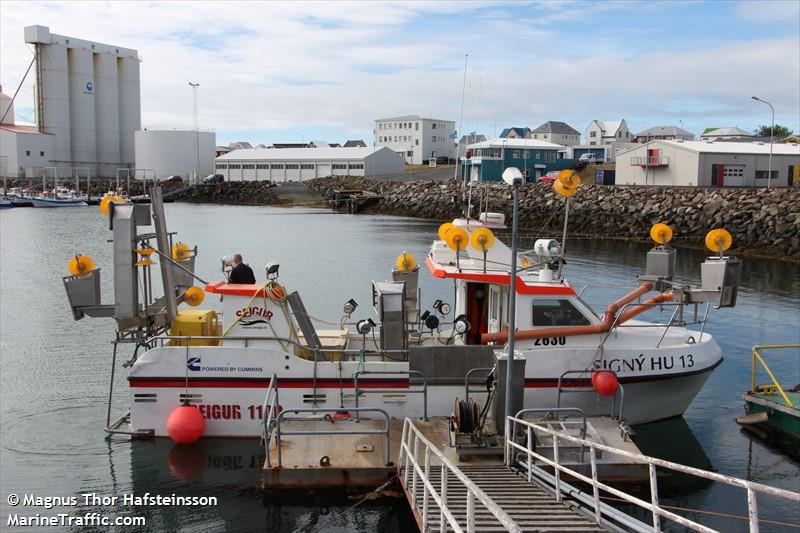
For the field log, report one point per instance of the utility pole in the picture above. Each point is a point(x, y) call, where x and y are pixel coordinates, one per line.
point(771, 139)
point(196, 130)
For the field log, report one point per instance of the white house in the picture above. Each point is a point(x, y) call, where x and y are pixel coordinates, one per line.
point(558, 133)
point(298, 164)
point(416, 138)
point(706, 163)
point(716, 134)
point(24, 150)
point(666, 133)
point(606, 133)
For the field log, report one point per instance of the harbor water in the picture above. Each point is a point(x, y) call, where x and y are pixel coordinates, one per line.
point(54, 372)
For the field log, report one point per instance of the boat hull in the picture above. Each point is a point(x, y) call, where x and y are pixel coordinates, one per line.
point(48, 202)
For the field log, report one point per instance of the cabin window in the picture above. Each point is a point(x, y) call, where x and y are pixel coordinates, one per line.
point(557, 312)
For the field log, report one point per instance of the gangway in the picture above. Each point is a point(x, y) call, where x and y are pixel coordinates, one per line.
point(528, 491)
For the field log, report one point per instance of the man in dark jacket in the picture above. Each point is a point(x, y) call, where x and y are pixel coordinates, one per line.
point(241, 273)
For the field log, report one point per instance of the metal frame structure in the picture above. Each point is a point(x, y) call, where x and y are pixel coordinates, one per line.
point(757, 357)
point(560, 489)
point(409, 460)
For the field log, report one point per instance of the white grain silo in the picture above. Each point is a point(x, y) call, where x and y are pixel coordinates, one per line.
point(161, 153)
point(87, 94)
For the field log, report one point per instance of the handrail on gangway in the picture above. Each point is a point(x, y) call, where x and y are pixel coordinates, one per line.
point(758, 358)
point(409, 460)
point(514, 425)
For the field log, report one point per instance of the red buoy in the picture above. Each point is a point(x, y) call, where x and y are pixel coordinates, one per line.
point(605, 382)
point(185, 424)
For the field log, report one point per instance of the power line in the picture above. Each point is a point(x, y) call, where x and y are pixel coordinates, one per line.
point(17, 91)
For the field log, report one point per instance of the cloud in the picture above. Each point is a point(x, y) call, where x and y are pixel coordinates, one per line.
point(269, 68)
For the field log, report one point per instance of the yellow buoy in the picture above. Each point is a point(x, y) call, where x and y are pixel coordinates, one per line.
point(456, 238)
point(718, 240)
point(405, 262)
point(80, 265)
point(569, 178)
point(482, 239)
point(563, 190)
point(661, 233)
point(104, 207)
point(180, 251)
point(443, 229)
point(194, 296)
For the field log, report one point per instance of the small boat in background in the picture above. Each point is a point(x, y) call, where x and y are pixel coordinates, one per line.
point(771, 407)
point(5, 203)
point(59, 197)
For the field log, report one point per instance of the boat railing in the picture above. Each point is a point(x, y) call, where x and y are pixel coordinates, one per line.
point(561, 489)
point(589, 388)
point(416, 458)
point(552, 415)
point(469, 380)
point(675, 319)
point(757, 357)
point(353, 354)
point(281, 432)
point(270, 411)
point(408, 390)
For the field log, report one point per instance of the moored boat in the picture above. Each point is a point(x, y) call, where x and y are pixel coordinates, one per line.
point(410, 363)
point(59, 197)
point(774, 407)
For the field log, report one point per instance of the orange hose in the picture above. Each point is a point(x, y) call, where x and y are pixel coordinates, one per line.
point(644, 306)
point(567, 331)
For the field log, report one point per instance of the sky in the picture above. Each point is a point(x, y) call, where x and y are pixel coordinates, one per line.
point(290, 72)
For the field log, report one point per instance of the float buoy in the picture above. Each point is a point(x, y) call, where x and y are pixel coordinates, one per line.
point(605, 382)
point(405, 262)
point(80, 265)
point(185, 424)
point(194, 296)
point(443, 229)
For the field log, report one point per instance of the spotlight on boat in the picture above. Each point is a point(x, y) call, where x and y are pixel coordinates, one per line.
point(349, 307)
point(365, 326)
point(461, 324)
point(546, 248)
point(272, 271)
point(430, 321)
point(441, 307)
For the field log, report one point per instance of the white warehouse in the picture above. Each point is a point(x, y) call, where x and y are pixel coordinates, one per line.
point(163, 153)
point(298, 164)
point(706, 163)
point(87, 94)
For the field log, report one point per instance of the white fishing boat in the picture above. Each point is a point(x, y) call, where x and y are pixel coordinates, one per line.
point(409, 362)
point(59, 197)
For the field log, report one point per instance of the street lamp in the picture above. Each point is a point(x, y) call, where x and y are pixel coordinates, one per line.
point(771, 138)
point(513, 177)
point(196, 130)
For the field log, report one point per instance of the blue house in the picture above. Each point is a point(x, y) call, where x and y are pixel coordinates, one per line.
point(485, 161)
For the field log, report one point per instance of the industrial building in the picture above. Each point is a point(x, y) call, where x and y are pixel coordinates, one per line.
point(417, 138)
point(87, 95)
point(162, 153)
point(485, 161)
point(24, 150)
point(705, 163)
point(299, 164)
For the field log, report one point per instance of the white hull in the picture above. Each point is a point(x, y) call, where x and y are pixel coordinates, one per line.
point(50, 202)
point(229, 383)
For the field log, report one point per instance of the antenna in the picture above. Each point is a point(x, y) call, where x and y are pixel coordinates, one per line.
point(461, 117)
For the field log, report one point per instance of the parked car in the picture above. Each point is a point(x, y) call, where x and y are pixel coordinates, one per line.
point(214, 178)
point(172, 179)
point(550, 177)
point(588, 157)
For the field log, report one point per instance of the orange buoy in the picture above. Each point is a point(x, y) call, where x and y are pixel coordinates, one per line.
point(605, 382)
point(185, 424)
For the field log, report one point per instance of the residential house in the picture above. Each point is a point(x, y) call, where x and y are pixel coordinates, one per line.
point(665, 133)
point(355, 144)
point(558, 133)
point(516, 133)
point(724, 133)
point(606, 133)
point(466, 140)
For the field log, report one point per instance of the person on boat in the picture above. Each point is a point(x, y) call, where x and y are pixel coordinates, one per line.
point(241, 273)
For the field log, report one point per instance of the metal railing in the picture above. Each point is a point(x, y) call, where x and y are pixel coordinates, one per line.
point(649, 161)
point(420, 474)
point(757, 357)
point(588, 373)
point(469, 381)
point(269, 411)
point(513, 425)
point(357, 391)
point(279, 433)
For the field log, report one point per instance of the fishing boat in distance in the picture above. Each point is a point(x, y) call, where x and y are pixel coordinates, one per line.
point(59, 197)
point(405, 360)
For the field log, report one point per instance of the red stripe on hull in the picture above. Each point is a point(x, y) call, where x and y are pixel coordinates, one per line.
point(263, 383)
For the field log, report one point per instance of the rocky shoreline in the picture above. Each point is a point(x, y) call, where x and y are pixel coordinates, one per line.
point(763, 222)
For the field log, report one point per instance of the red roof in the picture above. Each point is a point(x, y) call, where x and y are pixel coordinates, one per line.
point(22, 129)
